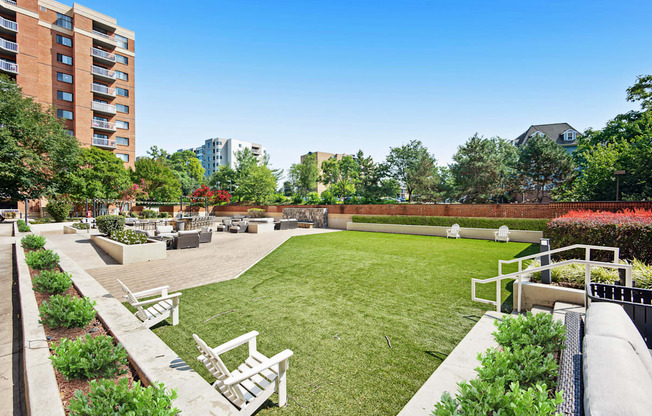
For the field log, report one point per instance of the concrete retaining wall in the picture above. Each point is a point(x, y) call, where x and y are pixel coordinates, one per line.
point(546, 295)
point(475, 233)
point(125, 254)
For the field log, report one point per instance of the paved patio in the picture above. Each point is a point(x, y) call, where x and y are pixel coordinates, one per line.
point(225, 257)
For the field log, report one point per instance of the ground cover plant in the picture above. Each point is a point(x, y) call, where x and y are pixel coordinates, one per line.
point(81, 226)
point(62, 311)
point(519, 378)
point(89, 357)
point(469, 222)
point(333, 299)
point(23, 227)
point(52, 281)
point(128, 237)
point(32, 241)
point(42, 259)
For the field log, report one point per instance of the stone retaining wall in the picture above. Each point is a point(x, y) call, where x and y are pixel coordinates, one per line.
point(317, 216)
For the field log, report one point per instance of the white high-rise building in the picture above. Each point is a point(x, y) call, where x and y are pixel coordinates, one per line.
point(218, 152)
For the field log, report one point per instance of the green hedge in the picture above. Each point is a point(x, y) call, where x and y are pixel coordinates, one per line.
point(468, 222)
point(109, 223)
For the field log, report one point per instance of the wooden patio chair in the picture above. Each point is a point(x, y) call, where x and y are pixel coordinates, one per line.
point(502, 234)
point(162, 307)
point(454, 231)
point(254, 381)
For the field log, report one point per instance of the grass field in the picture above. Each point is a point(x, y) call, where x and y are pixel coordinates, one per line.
point(332, 299)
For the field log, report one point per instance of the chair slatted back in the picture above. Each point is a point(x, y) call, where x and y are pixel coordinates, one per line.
point(140, 312)
point(216, 367)
point(455, 228)
point(503, 230)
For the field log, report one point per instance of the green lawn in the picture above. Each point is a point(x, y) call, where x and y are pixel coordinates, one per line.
point(332, 299)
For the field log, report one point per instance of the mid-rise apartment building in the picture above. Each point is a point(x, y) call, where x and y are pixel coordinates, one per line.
point(320, 157)
point(78, 60)
point(218, 152)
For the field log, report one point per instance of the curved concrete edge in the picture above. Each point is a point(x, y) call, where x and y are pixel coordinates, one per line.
point(152, 358)
point(546, 295)
point(459, 366)
point(518, 236)
point(126, 254)
point(41, 390)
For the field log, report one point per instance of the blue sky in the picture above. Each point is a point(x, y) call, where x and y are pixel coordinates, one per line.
point(338, 76)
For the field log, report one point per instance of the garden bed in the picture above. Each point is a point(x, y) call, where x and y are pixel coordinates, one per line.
point(135, 253)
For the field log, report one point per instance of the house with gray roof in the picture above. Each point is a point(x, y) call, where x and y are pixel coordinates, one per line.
point(561, 133)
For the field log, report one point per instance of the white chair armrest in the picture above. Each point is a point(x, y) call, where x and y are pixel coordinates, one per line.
point(149, 292)
point(278, 358)
point(234, 343)
point(156, 300)
point(496, 233)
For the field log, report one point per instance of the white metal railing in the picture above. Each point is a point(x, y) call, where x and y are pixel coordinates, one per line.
point(518, 275)
point(101, 124)
point(12, 2)
point(8, 45)
point(98, 70)
point(8, 24)
point(102, 54)
point(102, 89)
point(8, 66)
point(107, 108)
point(97, 141)
point(104, 35)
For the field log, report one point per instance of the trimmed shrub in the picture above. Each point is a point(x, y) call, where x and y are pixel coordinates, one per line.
point(32, 241)
point(148, 213)
point(313, 198)
point(256, 212)
point(89, 357)
point(526, 224)
point(81, 226)
point(540, 329)
point(109, 398)
point(128, 237)
point(23, 227)
point(52, 281)
point(642, 274)
point(42, 260)
point(630, 230)
point(106, 224)
point(9, 214)
point(66, 312)
point(58, 209)
point(572, 275)
point(163, 215)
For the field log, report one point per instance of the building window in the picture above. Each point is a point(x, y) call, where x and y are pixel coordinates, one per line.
point(99, 29)
point(122, 42)
point(64, 114)
point(121, 108)
point(98, 118)
point(122, 92)
point(121, 59)
point(65, 96)
point(67, 78)
point(64, 59)
point(69, 132)
point(64, 21)
point(121, 75)
point(65, 41)
point(569, 136)
point(122, 124)
point(123, 156)
point(123, 141)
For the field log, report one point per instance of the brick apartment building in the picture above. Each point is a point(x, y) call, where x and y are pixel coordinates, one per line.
point(78, 60)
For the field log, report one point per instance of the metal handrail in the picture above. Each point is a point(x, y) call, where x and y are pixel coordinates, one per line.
point(9, 24)
point(587, 254)
point(102, 71)
point(519, 276)
point(12, 2)
point(97, 141)
point(107, 108)
point(102, 89)
point(9, 45)
point(103, 124)
point(8, 66)
point(102, 54)
point(104, 35)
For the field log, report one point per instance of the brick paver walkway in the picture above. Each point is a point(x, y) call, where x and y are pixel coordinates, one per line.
point(224, 258)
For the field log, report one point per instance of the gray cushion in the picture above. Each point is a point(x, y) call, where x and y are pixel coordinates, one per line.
point(188, 232)
point(615, 382)
point(611, 320)
point(164, 228)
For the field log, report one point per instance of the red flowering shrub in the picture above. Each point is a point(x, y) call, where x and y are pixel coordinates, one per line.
point(630, 230)
point(200, 194)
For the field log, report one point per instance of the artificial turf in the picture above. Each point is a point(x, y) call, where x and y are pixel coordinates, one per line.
point(332, 299)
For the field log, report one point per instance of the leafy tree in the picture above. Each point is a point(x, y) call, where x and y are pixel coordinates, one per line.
point(35, 152)
point(425, 179)
point(304, 175)
point(404, 161)
point(481, 169)
point(287, 189)
point(258, 186)
point(340, 176)
point(223, 178)
point(188, 169)
point(543, 165)
point(641, 91)
point(101, 175)
point(160, 182)
point(373, 183)
point(158, 154)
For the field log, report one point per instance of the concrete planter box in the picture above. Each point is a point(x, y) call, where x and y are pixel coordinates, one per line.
point(71, 230)
point(125, 254)
point(546, 295)
point(520, 236)
point(260, 227)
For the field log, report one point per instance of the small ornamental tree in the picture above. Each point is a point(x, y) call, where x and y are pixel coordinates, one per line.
point(133, 193)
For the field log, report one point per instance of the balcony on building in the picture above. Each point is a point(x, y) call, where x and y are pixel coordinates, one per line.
point(103, 39)
point(103, 56)
point(9, 67)
point(103, 125)
point(8, 46)
point(103, 107)
point(102, 90)
point(4, 3)
point(7, 25)
point(102, 73)
point(103, 143)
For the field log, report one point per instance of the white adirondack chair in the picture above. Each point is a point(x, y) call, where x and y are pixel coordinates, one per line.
point(254, 381)
point(502, 234)
point(454, 231)
point(162, 307)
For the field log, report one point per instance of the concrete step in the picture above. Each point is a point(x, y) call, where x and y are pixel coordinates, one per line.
point(540, 309)
point(560, 309)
